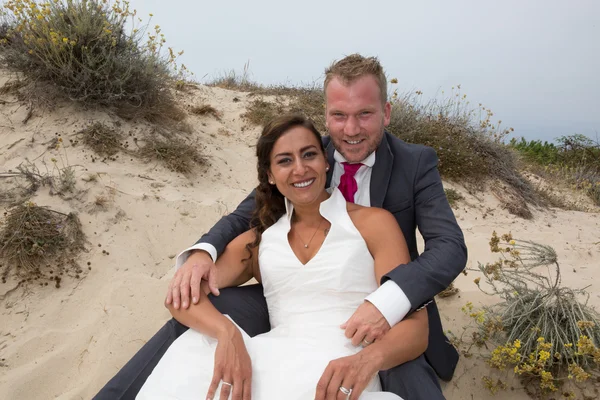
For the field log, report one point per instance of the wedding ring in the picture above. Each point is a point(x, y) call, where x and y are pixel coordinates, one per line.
point(347, 392)
point(227, 383)
point(365, 341)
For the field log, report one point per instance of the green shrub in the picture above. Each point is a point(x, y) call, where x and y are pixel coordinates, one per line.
point(579, 150)
point(536, 151)
point(93, 52)
point(575, 160)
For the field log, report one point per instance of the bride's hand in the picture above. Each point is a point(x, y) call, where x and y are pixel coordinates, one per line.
point(232, 366)
point(348, 373)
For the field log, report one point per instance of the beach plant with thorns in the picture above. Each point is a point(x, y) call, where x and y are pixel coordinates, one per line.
point(39, 244)
point(542, 331)
point(96, 52)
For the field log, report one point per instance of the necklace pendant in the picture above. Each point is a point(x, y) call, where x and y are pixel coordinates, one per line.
point(306, 246)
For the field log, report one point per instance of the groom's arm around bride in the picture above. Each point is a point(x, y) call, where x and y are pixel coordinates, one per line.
point(400, 177)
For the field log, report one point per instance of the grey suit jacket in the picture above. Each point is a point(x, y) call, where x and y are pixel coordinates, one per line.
point(405, 181)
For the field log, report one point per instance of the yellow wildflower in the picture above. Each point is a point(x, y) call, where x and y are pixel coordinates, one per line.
point(544, 356)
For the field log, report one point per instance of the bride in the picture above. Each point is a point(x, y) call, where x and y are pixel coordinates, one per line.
point(317, 257)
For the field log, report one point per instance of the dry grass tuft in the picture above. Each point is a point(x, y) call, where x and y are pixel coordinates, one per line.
point(11, 190)
point(33, 237)
point(513, 203)
point(450, 291)
point(103, 140)
point(100, 203)
point(233, 80)
point(306, 99)
point(453, 196)
point(205, 109)
point(309, 101)
point(176, 154)
point(259, 111)
point(12, 86)
point(60, 180)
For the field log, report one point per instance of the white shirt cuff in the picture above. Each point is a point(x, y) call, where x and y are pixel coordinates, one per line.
point(391, 301)
point(183, 256)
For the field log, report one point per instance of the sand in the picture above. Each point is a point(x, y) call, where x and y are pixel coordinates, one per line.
point(67, 343)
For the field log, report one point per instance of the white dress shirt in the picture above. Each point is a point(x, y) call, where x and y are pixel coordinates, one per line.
point(389, 298)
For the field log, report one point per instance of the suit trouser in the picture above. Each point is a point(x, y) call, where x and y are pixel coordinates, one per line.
point(246, 305)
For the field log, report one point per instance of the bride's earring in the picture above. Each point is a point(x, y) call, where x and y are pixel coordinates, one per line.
point(327, 168)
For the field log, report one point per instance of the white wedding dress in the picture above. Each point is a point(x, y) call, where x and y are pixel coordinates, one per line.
point(307, 304)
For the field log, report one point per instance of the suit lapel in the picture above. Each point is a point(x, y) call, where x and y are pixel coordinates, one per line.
point(382, 172)
point(329, 149)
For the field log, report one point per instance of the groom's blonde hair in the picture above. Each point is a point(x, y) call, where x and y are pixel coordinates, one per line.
point(355, 66)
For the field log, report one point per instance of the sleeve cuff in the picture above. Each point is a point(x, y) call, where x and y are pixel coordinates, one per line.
point(183, 256)
point(391, 301)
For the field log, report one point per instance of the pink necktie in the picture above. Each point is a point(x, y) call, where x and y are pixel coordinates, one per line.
point(348, 185)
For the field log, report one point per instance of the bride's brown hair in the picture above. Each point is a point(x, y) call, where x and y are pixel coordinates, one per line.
point(270, 204)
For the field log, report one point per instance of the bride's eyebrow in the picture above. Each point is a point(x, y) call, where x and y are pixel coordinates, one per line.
point(302, 150)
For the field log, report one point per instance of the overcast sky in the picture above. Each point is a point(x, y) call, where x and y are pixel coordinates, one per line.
point(534, 63)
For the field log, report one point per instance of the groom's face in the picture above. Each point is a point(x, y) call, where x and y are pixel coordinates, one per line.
point(356, 116)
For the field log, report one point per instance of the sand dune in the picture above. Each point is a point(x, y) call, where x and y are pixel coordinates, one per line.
point(66, 343)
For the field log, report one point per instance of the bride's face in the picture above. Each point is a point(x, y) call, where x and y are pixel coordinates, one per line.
point(298, 166)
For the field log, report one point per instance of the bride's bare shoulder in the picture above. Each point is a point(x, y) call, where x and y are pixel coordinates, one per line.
point(370, 218)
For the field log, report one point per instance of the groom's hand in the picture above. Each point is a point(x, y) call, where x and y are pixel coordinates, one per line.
point(366, 325)
point(199, 266)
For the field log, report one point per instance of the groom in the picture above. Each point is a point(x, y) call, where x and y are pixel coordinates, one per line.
point(388, 173)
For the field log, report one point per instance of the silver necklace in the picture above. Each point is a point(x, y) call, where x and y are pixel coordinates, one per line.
point(312, 237)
